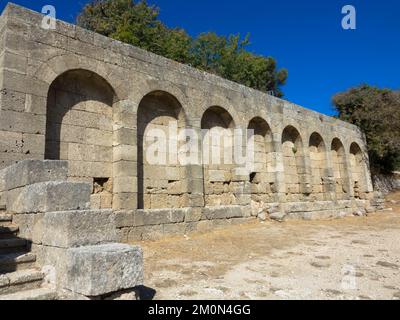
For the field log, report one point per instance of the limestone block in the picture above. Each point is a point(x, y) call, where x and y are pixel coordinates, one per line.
point(124, 168)
point(28, 172)
point(160, 216)
point(125, 153)
point(106, 200)
point(216, 175)
point(95, 201)
point(124, 136)
point(176, 187)
point(125, 184)
point(195, 186)
point(173, 173)
point(48, 197)
point(227, 212)
point(146, 233)
point(29, 226)
point(12, 100)
point(159, 201)
point(124, 201)
point(193, 215)
point(175, 228)
point(124, 219)
point(102, 269)
point(196, 200)
point(33, 143)
point(78, 228)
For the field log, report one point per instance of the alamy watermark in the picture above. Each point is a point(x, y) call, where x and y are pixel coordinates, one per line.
point(49, 20)
point(349, 21)
point(171, 145)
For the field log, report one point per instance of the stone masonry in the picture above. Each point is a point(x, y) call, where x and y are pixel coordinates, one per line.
point(76, 96)
point(54, 246)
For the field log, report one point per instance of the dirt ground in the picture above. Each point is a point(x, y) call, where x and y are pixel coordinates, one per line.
point(350, 258)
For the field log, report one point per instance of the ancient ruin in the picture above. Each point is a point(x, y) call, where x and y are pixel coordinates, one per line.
point(75, 110)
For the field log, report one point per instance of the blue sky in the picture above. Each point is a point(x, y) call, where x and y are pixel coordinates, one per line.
point(303, 36)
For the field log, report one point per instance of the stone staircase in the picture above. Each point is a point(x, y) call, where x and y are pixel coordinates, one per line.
point(20, 279)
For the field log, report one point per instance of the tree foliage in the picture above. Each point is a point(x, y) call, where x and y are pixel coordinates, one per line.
point(377, 112)
point(138, 23)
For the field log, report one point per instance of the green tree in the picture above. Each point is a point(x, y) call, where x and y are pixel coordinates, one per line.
point(227, 56)
point(377, 112)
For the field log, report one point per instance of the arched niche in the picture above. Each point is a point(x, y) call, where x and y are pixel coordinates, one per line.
point(161, 177)
point(217, 150)
point(317, 152)
point(293, 162)
point(79, 128)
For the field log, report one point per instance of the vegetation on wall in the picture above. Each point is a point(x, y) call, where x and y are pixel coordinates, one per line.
point(138, 23)
point(377, 112)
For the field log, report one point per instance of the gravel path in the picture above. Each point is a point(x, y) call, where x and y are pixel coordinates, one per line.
point(351, 258)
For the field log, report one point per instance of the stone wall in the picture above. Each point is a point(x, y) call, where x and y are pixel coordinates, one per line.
point(70, 94)
point(75, 247)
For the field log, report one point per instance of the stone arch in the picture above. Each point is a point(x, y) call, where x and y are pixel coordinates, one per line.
point(161, 178)
point(339, 166)
point(51, 69)
point(262, 178)
point(223, 103)
point(79, 128)
point(217, 130)
point(317, 152)
point(358, 170)
point(143, 88)
point(294, 164)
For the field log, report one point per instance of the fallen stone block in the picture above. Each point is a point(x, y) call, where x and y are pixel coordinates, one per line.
point(278, 216)
point(103, 269)
point(49, 197)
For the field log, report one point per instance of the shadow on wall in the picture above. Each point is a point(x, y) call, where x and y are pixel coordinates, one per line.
point(12, 248)
point(76, 98)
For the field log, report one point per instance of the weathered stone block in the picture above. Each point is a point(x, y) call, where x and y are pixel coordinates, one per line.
point(78, 228)
point(193, 215)
point(160, 216)
point(228, 212)
point(124, 201)
point(125, 219)
point(49, 196)
point(102, 269)
point(33, 171)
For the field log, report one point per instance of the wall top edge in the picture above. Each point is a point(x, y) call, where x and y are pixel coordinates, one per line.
point(28, 16)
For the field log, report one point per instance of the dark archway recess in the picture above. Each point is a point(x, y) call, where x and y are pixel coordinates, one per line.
point(217, 125)
point(161, 178)
point(294, 165)
point(262, 179)
point(358, 170)
point(317, 151)
point(339, 167)
point(79, 128)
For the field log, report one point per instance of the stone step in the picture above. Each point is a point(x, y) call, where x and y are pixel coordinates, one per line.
point(35, 294)
point(20, 280)
point(28, 172)
point(17, 261)
point(12, 245)
point(3, 207)
point(5, 219)
point(8, 232)
point(46, 197)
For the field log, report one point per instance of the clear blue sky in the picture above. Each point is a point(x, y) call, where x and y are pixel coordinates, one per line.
point(304, 36)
